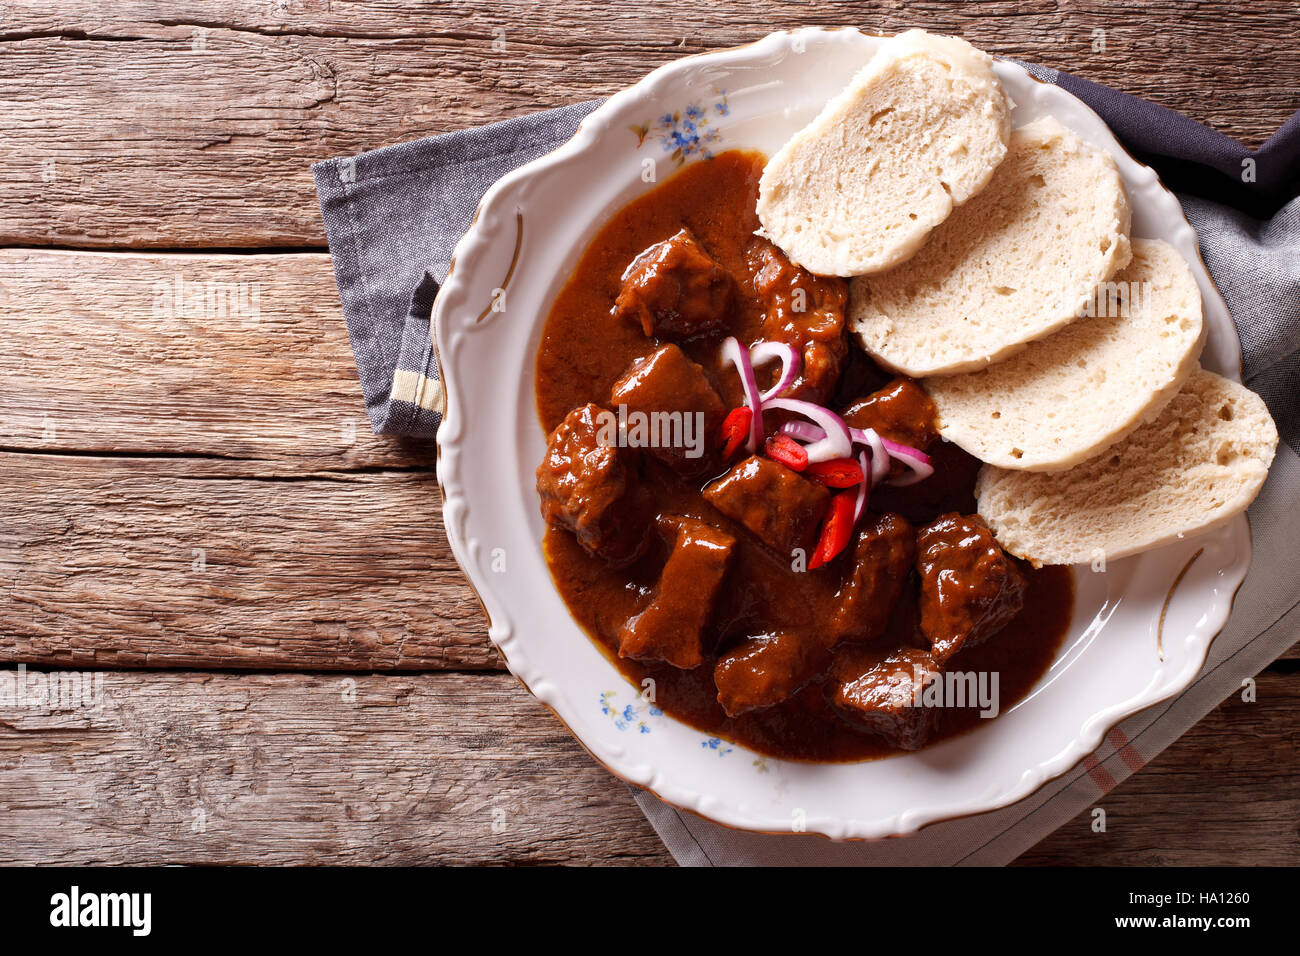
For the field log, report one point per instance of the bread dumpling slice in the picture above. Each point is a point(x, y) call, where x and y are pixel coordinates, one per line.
point(1016, 263)
point(1195, 466)
point(1075, 393)
point(917, 132)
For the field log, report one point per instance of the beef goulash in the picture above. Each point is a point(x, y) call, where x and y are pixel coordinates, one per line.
point(789, 550)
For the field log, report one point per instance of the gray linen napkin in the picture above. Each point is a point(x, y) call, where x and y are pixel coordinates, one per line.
point(394, 214)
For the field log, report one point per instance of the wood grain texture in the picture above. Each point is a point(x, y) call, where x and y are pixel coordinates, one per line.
point(194, 125)
point(175, 562)
point(313, 769)
point(205, 768)
point(234, 356)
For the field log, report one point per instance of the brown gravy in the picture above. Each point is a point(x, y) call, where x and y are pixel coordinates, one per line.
point(584, 350)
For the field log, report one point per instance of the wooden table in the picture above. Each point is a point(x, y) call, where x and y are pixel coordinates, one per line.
point(192, 504)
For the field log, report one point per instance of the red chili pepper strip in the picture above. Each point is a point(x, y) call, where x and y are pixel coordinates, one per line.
point(735, 429)
point(836, 529)
point(836, 473)
point(788, 452)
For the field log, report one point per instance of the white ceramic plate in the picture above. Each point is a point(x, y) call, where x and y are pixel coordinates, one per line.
point(531, 228)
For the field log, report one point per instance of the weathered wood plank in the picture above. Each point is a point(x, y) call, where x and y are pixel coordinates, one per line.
point(1224, 794)
point(241, 356)
point(224, 768)
point(194, 768)
point(176, 562)
point(196, 127)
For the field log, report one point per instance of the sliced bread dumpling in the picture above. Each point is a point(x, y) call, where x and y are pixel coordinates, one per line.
point(1192, 468)
point(1016, 263)
point(1075, 393)
point(917, 132)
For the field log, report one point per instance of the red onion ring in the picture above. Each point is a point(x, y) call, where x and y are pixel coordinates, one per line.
point(920, 464)
point(738, 355)
point(764, 352)
point(879, 454)
point(864, 489)
point(836, 443)
point(803, 431)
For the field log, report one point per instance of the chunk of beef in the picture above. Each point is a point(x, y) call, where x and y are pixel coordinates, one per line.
point(879, 694)
point(675, 290)
point(672, 627)
point(587, 485)
point(803, 310)
point(766, 669)
point(675, 406)
point(970, 588)
point(782, 509)
point(883, 555)
point(901, 412)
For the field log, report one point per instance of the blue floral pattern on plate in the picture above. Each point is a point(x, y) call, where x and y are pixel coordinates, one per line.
point(686, 132)
point(717, 745)
point(628, 716)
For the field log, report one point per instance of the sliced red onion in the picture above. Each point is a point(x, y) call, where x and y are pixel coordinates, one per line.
point(879, 456)
point(836, 444)
point(802, 431)
point(921, 465)
point(738, 355)
point(864, 488)
point(764, 352)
